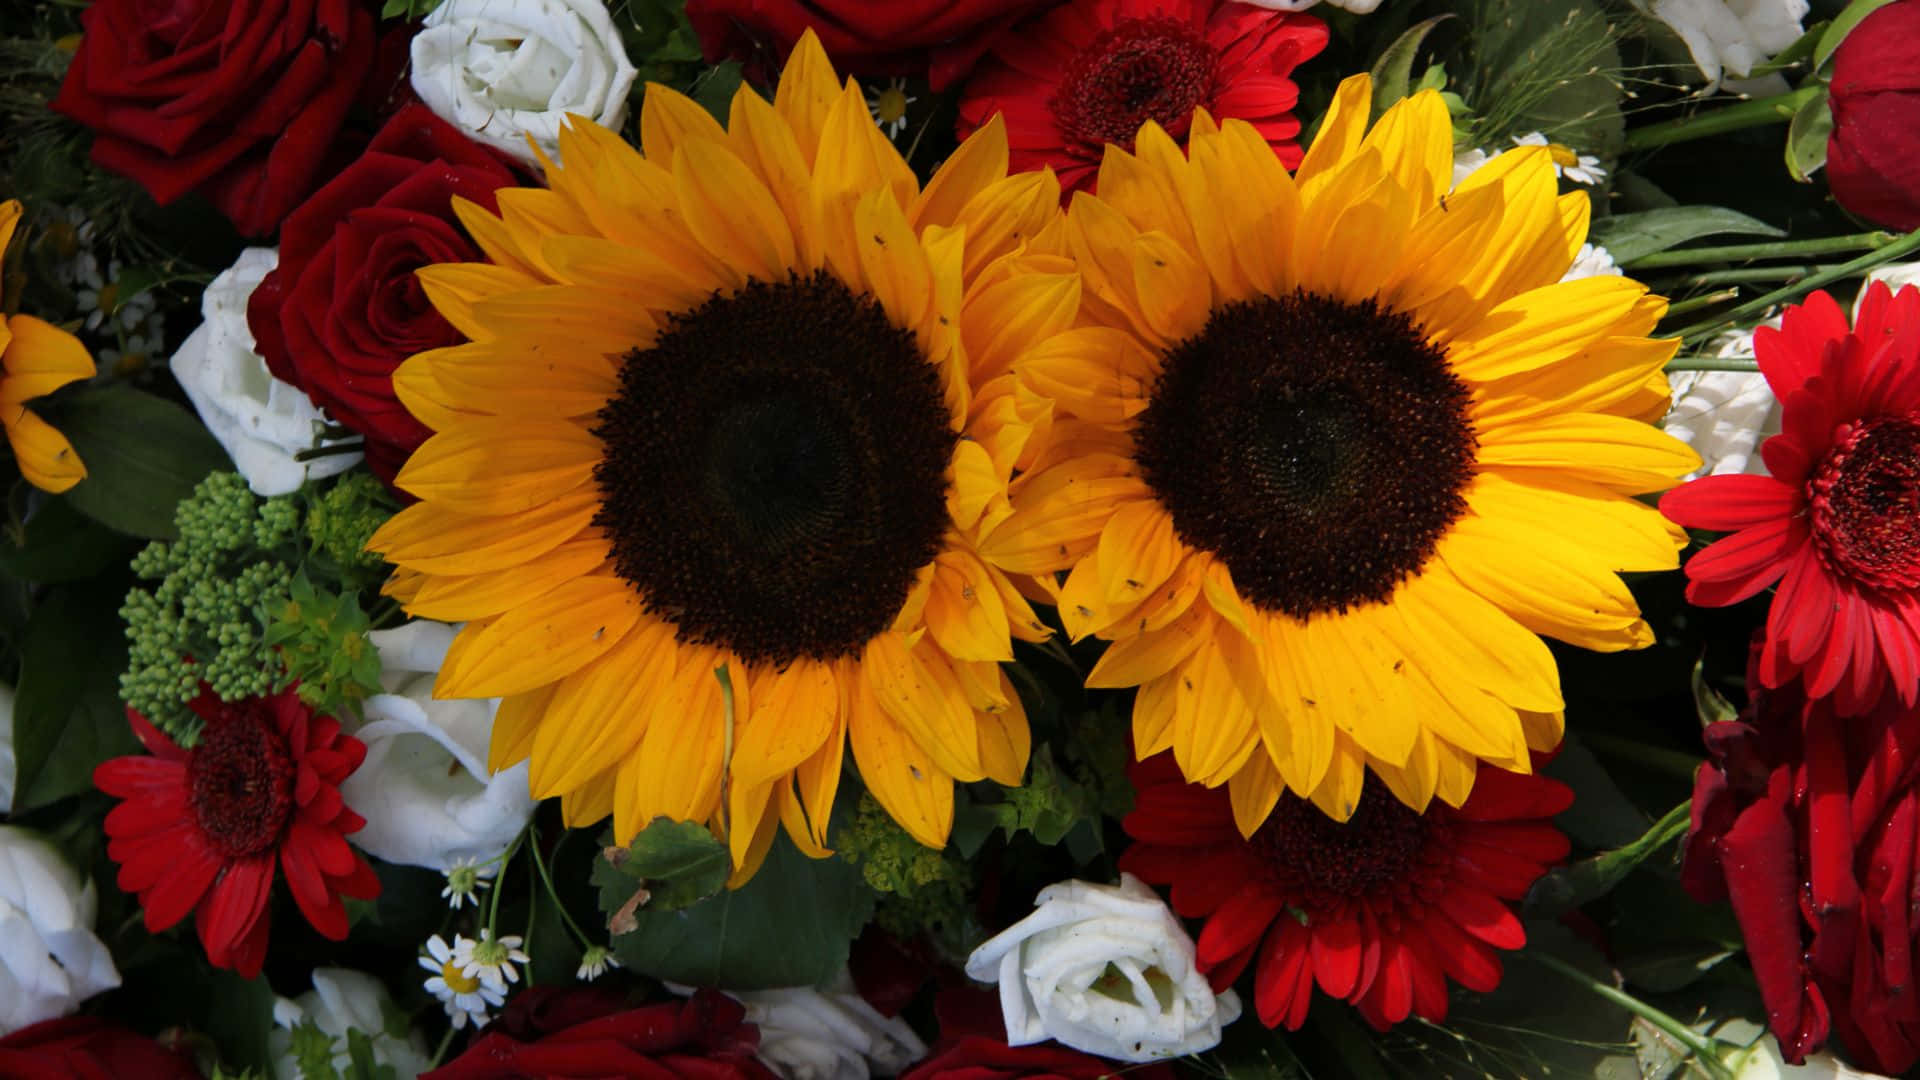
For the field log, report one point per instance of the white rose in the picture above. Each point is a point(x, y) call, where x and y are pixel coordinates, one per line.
point(424, 787)
point(50, 960)
point(504, 70)
point(9, 767)
point(1056, 969)
point(343, 1000)
point(1724, 415)
point(1732, 36)
point(261, 421)
point(828, 1034)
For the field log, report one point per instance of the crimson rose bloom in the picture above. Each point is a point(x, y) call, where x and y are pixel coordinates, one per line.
point(239, 99)
point(88, 1048)
point(1873, 155)
point(1092, 72)
point(343, 308)
point(973, 1046)
point(1807, 822)
point(201, 829)
point(549, 1033)
point(1380, 911)
point(1837, 521)
point(940, 38)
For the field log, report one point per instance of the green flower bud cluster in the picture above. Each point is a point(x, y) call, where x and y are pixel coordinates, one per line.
point(922, 890)
point(340, 521)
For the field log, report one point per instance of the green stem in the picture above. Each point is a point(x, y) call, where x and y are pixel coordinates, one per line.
point(1701, 1046)
point(1758, 112)
point(1667, 761)
point(1824, 245)
point(440, 1052)
point(1887, 254)
point(553, 894)
point(1793, 272)
point(499, 882)
point(1695, 303)
point(1712, 363)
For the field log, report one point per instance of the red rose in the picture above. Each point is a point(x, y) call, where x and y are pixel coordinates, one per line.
point(1807, 822)
point(938, 38)
point(1873, 155)
point(702, 1038)
point(973, 1046)
point(239, 99)
point(343, 308)
point(88, 1048)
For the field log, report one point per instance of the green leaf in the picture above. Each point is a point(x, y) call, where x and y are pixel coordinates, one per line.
point(67, 716)
point(714, 89)
point(1671, 967)
point(1569, 887)
point(791, 925)
point(1807, 137)
point(1841, 26)
point(1631, 236)
point(1393, 72)
point(239, 1016)
point(1708, 702)
point(679, 863)
point(143, 455)
point(61, 544)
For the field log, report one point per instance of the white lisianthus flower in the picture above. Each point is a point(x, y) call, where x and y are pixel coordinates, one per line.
point(1724, 415)
point(506, 70)
point(343, 1000)
point(9, 765)
point(1106, 969)
point(50, 960)
point(1732, 37)
point(424, 787)
point(261, 421)
point(828, 1034)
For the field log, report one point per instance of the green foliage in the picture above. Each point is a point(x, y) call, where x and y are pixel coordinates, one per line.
point(675, 863)
point(408, 10)
point(1542, 65)
point(922, 890)
point(312, 1052)
point(143, 454)
point(65, 718)
point(341, 519)
point(322, 638)
point(1633, 236)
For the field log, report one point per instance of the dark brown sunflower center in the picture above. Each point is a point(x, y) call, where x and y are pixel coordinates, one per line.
point(1318, 448)
point(1321, 864)
point(1866, 502)
point(240, 784)
point(1156, 68)
point(776, 470)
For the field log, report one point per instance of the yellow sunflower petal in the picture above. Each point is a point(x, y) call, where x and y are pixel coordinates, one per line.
point(1341, 129)
point(806, 93)
point(730, 211)
point(980, 162)
point(47, 460)
point(598, 714)
point(500, 466)
point(670, 120)
point(1254, 791)
point(898, 770)
point(547, 639)
point(1620, 453)
point(917, 688)
point(41, 358)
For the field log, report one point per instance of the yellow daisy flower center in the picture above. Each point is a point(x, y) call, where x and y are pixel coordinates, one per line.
point(458, 981)
point(890, 105)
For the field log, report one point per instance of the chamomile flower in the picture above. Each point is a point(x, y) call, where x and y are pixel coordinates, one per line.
point(465, 996)
point(595, 963)
point(464, 884)
point(1579, 168)
point(101, 299)
point(490, 959)
point(888, 104)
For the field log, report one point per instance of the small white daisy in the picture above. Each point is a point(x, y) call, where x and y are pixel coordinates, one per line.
point(490, 960)
point(101, 298)
point(595, 963)
point(465, 996)
point(464, 884)
point(888, 104)
point(1579, 168)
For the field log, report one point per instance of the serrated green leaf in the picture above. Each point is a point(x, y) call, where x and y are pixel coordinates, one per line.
point(679, 862)
point(791, 925)
point(1807, 137)
point(1632, 236)
point(143, 455)
point(1393, 71)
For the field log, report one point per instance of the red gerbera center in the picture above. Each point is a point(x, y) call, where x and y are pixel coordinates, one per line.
point(1322, 865)
point(240, 785)
point(1866, 502)
point(1155, 68)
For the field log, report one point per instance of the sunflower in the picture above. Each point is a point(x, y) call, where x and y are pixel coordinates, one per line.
point(1334, 448)
point(38, 359)
point(707, 479)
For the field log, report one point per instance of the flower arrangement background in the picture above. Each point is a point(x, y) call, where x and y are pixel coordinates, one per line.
point(828, 539)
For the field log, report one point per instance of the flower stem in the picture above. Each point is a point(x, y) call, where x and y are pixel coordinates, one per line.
point(1792, 272)
point(1712, 363)
point(1699, 1045)
point(499, 881)
point(1827, 275)
point(546, 876)
point(440, 1052)
point(1695, 303)
point(1823, 245)
point(1758, 112)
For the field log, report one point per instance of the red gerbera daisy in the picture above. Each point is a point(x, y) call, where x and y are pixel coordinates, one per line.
point(1380, 911)
point(1837, 524)
point(201, 828)
point(1091, 72)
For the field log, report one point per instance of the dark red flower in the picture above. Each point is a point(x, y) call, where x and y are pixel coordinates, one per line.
point(973, 1046)
point(1380, 911)
point(88, 1048)
point(1808, 821)
point(1092, 72)
point(201, 829)
point(343, 308)
point(940, 39)
point(703, 1038)
point(1837, 524)
point(1873, 155)
point(239, 99)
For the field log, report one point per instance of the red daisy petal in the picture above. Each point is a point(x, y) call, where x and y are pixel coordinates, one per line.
point(1483, 916)
point(1336, 955)
point(1756, 553)
point(1237, 926)
point(237, 901)
point(1283, 985)
point(1726, 503)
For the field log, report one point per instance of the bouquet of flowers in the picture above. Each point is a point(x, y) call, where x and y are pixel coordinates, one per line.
point(960, 538)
